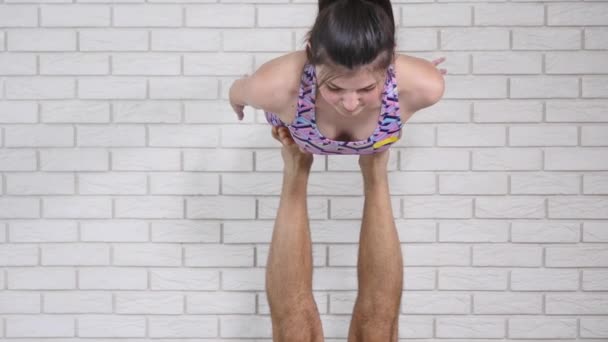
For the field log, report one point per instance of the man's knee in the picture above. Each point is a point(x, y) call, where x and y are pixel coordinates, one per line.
point(372, 330)
point(302, 325)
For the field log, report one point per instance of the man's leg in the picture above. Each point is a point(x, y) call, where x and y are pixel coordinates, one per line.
point(295, 316)
point(380, 265)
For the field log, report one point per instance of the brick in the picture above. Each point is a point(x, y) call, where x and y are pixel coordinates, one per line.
point(24, 88)
point(546, 38)
point(243, 279)
point(17, 111)
point(112, 183)
point(71, 15)
point(577, 14)
point(218, 64)
point(111, 326)
point(595, 231)
point(146, 64)
point(77, 302)
point(579, 62)
point(508, 111)
point(221, 303)
point(183, 327)
point(474, 86)
point(41, 40)
point(545, 135)
point(147, 254)
point(29, 326)
point(594, 135)
point(111, 39)
point(183, 136)
point(579, 159)
point(125, 88)
point(507, 255)
point(470, 135)
point(475, 278)
point(417, 39)
point(490, 303)
point(74, 64)
point(184, 279)
point(473, 231)
point(245, 326)
point(509, 14)
point(472, 184)
point(153, 303)
point(18, 15)
point(40, 184)
point(144, 159)
point(76, 207)
point(41, 278)
point(220, 207)
point(298, 15)
point(594, 86)
point(335, 278)
point(596, 38)
point(39, 136)
point(185, 40)
point(183, 88)
point(542, 327)
point(213, 255)
point(436, 303)
point(595, 184)
point(544, 87)
point(474, 39)
point(43, 231)
point(436, 255)
point(431, 159)
point(150, 15)
point(507, 63)
point(149, 207)
point(75, 254)
point(546, 183)
point(352, 208)
point(223, 15)
point(15, 207)
point(588, 207)
point(257, 40)
point(544, 279)
point(576, 304)
point(583, 256)
point(112, 278)
point(147, 112)
point(545, 231)
point(17, 64)
point(481, 327)
point(510, 207)
point(595, 280)
point(20, 302)
point(576, 111)
point(18, 254)
point(593, 327)
point(435, 15)
point(75, 112)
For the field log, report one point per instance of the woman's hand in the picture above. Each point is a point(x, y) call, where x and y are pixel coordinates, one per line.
point(238, 108)
point(293, 155)
point(439, 61)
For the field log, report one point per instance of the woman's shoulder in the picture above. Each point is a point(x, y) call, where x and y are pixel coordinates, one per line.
point(418, 81)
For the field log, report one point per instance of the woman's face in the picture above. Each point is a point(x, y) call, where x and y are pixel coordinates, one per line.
point(351, 94)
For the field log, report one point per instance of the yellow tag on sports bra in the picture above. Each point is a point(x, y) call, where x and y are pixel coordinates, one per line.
point(385, 141)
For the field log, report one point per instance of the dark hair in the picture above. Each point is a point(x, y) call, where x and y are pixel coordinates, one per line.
point(351, 33)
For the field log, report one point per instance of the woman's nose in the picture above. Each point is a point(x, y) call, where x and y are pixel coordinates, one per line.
point(350, 103)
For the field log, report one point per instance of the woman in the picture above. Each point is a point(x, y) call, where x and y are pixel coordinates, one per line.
point(367, 92)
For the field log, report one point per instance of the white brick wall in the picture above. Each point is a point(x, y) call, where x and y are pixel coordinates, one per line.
point(133, 205)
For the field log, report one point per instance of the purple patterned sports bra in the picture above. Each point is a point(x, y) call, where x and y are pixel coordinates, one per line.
point(306, 134)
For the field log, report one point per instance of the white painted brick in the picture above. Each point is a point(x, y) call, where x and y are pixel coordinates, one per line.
point(43, 231)
point(74, 15)
point(41, 40)
point(74, 112)
point(186, 231)
point(150, 15)
point(435, 15)
point(146, 64)
point(577, 111)
point(147, 254)
point(243, 279)
point(593, 327)
point(595, 280)
point(335, 231)
point(416, 230)
point(74, 64)
point(544, 183)
point(39, 136)
point(23, 88)
point(19, 207)
point(257, 40)
point(507, 159)
point(19, 302)
point(248, 232)
point(510, 207)
point(30, 326)
point(473, 231)
point(545, 231)
point(507, 255)
point(335, 278)
point(112, 183)
point(271, 160)
point(342, 302)
point(218, 64)
point(416, 39)
point(184, 184)
point(532, 327)
point(183, 327)
point(596, 38)
point(546, 38)
point(577, 256)
point(508, 111)
point(473, 184)
point(147, 112)
point(185, 40)
point(594, 136)
point(576, 159)
point(112, 278)
point(319, 255)
point(245, 326)
point(595, 87)
point(17, 111)
point(343, 255)
point(149, 207)
point(542, 279)
point(478, 87)
point(544, 87)
point(149, 303)
point(317, 208)
point(110, 39)
point(434, 159)
point(587, 207)
point(111, 326)
point(184, 279)
point(577, 14)
point(221, 303)
point(76, 207)
point(183, 136)
point(213, 255)
point(218, 160)
point(41, 278)
point(18, 16)
point(406, 183)
point(220, 207)
point(146, 159)
point(249, 136)
point(595, 231)
point(443, 111)
point(220, 15)
point(436, 303)
point(474, 39)
point(286, 16)
point(595, 184)
point(470, 135)
point(126, 88)
point(352, 208)
point(183, 88)
point(436, 255)
point(576, 304)
point(74, 254)
point(576, 62)
point(412, 326)
point(545, 135)
point(112, 136)
point(507, 303)
point(17, 64)
point(509, 14)
point(470, 327)
point(437, 207)
point(3, 238)
point(472, 278)
point(40, 184)
point(18, 254)
point(507, 63)
point(419, 278)
point(77, 302)
point(416, 135)
point(351, 162)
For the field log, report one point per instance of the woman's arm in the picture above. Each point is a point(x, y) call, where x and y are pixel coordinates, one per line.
point(421, 83)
